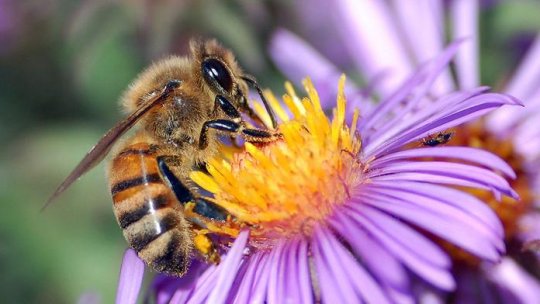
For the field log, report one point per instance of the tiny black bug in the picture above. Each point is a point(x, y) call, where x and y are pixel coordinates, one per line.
point(441, 138)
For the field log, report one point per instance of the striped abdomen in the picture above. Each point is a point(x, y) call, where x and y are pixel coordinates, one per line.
point(148, 211)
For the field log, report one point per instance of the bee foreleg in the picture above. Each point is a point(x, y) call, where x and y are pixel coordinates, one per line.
point(238, 126)
point(223, 125)
point(227, 107)
point(229, 126)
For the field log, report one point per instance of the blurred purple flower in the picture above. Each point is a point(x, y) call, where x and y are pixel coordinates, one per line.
point(371, 244)
point(387, 39)
point(89, 298)
point(131, 277)
point(8, 25)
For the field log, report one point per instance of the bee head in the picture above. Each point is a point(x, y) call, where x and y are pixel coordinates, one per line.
point(219, 69)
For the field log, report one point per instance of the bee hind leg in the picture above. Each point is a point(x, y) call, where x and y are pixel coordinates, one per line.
point(200, 211)
point(184, 195)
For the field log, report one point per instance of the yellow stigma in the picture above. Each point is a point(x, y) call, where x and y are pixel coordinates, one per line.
point(282, 189)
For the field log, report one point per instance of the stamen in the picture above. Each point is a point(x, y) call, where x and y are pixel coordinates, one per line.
point(285, 188)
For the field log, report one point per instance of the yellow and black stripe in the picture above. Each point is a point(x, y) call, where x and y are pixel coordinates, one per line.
point(148, 211)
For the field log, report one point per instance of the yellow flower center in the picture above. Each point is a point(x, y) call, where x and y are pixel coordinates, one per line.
point(282, 189)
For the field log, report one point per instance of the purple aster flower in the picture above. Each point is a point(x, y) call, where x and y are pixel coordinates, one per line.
point(417, 31)
point(347, 212)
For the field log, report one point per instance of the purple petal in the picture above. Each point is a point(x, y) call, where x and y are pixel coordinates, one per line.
point(425, 17)
point(445, 113)
point(180, 296)
point(297, 60)
point(458, 199)
point(400, 297)
point(177, 290)
point(473, 287)
point(204, 285)
point(406, 119)
point(407, 238)
point(260, 288)
point(291, 276)
point(239, 278)
point(383, 265)
point(334, 287)
point(289, 285)
point(420, 82)
point(370, 36)
point(89, 298)
point(530, 227)
point(469, 154)
point(304, 274)
point(400, 246)
point(253, 264)
point(482, 178)
point(131, 276)
point(526, 80)
point(228, 269)
point(276, 292)
point(526, 137)
point(464, 14)
point(164, 288)
point(322, 35)
point(510, 122)
point(348, 267)
point(424, 294)
point(511, 277)
point(448, 224)
point(431, 178)
point(524, 85)
point(456, 115)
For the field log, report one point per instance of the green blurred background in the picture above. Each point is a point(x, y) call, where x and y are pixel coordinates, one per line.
point(62, 66)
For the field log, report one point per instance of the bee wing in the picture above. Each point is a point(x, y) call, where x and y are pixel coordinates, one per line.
point(100, 150)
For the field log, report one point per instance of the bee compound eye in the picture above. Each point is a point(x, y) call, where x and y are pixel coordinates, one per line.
point(215, 72)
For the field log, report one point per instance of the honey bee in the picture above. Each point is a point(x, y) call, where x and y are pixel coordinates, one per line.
point(181, 105)
point(441, 138)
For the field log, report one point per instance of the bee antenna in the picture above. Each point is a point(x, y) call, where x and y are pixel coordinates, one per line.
point(251, 81)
